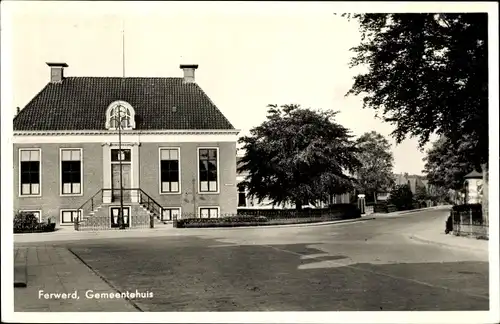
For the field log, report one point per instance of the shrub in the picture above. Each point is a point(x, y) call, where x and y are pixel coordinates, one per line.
point(384, 208)
point(402, 197)
point(28, 223)
point(219, 222)
point(342, 211)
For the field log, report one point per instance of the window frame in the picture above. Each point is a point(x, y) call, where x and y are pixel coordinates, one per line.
point(179, 186)
point(61, 193)
point(198, 175)
point(39, 211)
point(20, 189)
point(130, 115)
point(209, 207)
point(61, 211)
point(170, 208)
point(244, 193)
point(110, 215)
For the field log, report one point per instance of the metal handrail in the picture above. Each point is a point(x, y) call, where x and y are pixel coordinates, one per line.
point(91, 199)
point(150, 200)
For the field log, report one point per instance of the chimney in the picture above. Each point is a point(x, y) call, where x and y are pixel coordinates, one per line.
point(57, 72)
point(18, 110)
point(189, 72)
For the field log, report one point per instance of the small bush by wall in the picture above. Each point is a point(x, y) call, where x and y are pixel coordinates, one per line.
point(28, 223)
point(384, 208)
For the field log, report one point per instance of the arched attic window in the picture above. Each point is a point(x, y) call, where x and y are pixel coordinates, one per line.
point(120, 111)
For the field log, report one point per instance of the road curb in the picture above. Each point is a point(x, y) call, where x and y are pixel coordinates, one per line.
point(428, 241)
point(283, 225)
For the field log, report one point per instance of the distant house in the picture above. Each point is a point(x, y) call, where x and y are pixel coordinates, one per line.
point(414, 181)
point(177, 149)
point(245, 201)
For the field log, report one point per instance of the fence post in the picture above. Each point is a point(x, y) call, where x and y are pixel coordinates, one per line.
point(470, 221)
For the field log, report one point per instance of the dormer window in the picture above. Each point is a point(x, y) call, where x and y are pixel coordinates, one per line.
point(120, 113)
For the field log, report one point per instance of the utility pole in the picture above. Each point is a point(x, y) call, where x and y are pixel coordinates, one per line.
point(120, 156)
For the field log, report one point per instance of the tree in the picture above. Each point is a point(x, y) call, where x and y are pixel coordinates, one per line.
point(446, 165)
point(421, 194)
point(402, 197)
point(298, 156)
point(427, 73)
point(375, 174)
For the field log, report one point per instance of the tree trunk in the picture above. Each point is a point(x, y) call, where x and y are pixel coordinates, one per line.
point(298, 205)
point(374, 197)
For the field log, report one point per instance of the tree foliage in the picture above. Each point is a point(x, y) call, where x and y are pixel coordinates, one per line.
point(298, 156)
point(421, 194)
point(446, 164)
point(440, 195)
point(376, 172)
point(402, 197)
point(427, 73)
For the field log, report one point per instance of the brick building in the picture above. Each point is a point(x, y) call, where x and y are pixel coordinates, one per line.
point(177, 149)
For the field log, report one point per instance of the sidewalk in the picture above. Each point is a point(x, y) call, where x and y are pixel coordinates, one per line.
point(69, 234)
point(404, 212)
point(57, 271)
point(450, 240)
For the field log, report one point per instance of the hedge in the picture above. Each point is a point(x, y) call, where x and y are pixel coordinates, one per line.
point(464, 214)
point(28, 223)
point(263, 217)
point(343, 211)
point(384, 208)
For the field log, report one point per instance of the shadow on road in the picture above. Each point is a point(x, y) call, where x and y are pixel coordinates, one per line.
point(195, 274)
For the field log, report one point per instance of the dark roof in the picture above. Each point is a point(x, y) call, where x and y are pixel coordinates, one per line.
point(474, 175)
point(80, 103)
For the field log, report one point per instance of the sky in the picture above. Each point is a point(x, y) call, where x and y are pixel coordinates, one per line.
point(249, 55)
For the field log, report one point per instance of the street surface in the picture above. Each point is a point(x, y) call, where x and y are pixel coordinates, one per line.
point(363, 266)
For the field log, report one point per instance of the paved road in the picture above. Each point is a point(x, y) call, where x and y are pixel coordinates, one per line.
point(365, 266)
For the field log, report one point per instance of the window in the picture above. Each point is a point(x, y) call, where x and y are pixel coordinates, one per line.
point(71, 171)
point(124, 155)
point(120, 113)
point(68, 216)
point(30, 172)
point(36, 213)
point(169, 170)
point(115, 214)
point(242, 199)
point(209, 212)
point(208, 168)
point(168, 214)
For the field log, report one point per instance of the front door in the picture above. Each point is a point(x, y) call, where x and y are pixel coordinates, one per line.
point(126, 177)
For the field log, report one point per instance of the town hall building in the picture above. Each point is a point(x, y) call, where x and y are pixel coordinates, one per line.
point(163, 139)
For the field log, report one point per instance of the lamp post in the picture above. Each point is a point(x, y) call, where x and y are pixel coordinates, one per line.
point(121, 222)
